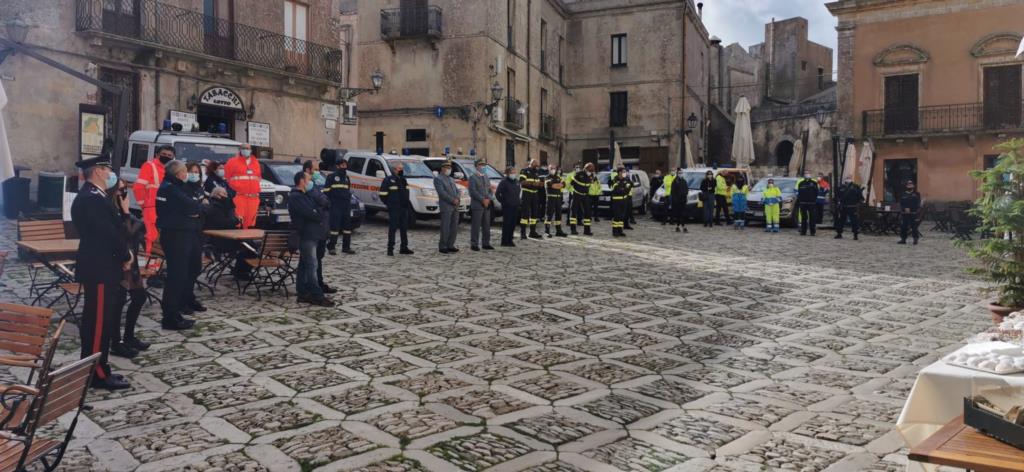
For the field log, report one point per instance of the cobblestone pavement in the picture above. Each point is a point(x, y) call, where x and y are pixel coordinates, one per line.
point(715, 350)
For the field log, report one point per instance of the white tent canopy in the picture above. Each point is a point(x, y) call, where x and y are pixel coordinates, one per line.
point(742, 138)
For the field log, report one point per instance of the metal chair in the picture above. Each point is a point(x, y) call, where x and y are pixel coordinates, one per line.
point(272, 268)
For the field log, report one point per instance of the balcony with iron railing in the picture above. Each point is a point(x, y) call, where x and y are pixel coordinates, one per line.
point(547, 127)
point(513, 118)
point(410, 23)
point(943, 119)
point(178, 30)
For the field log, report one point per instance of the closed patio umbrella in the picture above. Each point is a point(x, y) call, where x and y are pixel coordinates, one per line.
point(690, 164)
point(850, 163)
point(6, 162)
point(742, 139)
point(617, 157)
point(797, 160)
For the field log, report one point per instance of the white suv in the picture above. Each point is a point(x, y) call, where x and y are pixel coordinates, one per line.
point(368, 169)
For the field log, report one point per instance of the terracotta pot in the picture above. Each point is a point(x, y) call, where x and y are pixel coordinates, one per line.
point(999, 312)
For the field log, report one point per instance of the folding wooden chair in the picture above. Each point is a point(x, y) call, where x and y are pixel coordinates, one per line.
point(15, 400)
point(3, 261)
point(25, 335)
point(40, 230)
point(62, 392)
point(273, 266)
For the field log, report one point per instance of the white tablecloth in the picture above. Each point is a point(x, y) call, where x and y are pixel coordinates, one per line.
point(937, 397)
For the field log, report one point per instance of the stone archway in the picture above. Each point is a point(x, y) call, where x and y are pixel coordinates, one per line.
point(783, 153)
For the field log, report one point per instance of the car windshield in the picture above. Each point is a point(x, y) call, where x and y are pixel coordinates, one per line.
point(787, 186)
point(413, 169)
point(604, 177)
point(693, 179)
point(285, 173)
point(433, 164)
point(489, 171)
point(204, 152)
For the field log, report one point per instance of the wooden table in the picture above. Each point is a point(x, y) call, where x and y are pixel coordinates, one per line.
point(959, 445)
point(235, 234)
point(45, 251)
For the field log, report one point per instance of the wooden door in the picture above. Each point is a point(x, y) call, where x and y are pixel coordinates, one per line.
point(218, 26)
point(1002, 97)
point(901, 104)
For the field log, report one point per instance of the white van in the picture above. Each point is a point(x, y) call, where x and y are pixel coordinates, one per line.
point(201, 147)
point(367, 170)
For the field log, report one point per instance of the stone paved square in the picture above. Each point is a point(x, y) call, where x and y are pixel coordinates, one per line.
point(459, 359)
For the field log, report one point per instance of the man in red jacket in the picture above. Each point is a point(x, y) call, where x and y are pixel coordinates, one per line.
point(243, 174)
point(146, 185)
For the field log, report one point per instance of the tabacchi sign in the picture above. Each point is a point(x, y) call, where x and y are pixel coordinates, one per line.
point(221, 97)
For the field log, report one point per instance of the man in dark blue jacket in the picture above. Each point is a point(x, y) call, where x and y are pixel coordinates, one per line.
point(508, 194)
point(308, 223)
point(177, 217)
point(102, 254)
point(807, 203)
point(394, 192)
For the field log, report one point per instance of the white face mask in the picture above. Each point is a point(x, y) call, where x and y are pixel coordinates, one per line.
point(246, 152)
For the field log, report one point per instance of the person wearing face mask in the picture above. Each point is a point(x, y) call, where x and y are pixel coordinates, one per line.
point(739, 202)
point(531, 183)
point(772, 199)
point(656, 182)
point(707, 197)
point(620, 192)
point(567, 179)
point(910, 204)
point(339, 189)
point(581, 184)
point(194, 186)
point(481, 204)
point(132, 285)
point(394, 192)
point(678, 195)
point(100, 263)
point(448, 202)
point(849, 196)
point(508, 195)
point(151, 175)
point(807, 203)
point(177, 217)
point(594, 192)
point(244, 174)
point(307, 218)
point(554, 186)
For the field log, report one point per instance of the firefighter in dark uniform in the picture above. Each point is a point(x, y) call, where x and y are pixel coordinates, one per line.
point(581, 209)
point(532, 184)
point(177, 217)
point(910, 204)
point(849, 196)
point(339, 189)
point(628, 202)
point(620, 193)
point(394, 192)
point(542, 194)
point(100, 264)
point(554, 187)
point(807, 203)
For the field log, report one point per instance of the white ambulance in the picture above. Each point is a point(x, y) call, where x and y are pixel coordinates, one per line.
point(367, 169)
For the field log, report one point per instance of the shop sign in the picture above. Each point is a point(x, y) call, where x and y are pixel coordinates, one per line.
point(221, 97)
point(258, 134)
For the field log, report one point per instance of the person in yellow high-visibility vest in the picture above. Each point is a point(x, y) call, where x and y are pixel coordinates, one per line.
point(772, 199)
point(666, 199)
point(721, 200)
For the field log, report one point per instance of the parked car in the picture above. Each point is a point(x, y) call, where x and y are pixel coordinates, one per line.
point(462, 169)
point(694, 176)
point(283, 173)
point(368, 169)
point(787, 210)
point(202, 147)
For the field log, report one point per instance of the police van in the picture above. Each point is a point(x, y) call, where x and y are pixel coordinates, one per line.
point(367, 169)
point(201, 147)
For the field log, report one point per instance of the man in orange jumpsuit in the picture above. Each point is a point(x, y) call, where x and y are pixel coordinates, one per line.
point(148, 182)
point(244, 175)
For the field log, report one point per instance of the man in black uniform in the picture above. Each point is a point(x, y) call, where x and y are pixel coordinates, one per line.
point(628, 220)
point(554, 186)
point(177, 217)
point(850, 196)
point(102, 255)
point(620, 193)
point(910, 204)
point(678, 200)
point(581, 199)
point(530, 181)
point(338, 188)
point(394, 192)
point(807, 201)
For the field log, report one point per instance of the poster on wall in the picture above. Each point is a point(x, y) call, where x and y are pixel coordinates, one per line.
point(187, 120)
point(258, 134)
point(91, 132)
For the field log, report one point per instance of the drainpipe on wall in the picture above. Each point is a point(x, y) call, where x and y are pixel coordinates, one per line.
point(682, 104)
point(529, 73)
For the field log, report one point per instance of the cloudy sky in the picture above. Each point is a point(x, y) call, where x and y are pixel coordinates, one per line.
point(743, 21)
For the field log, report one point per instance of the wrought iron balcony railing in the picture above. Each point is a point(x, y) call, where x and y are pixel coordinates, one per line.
point(944, 119)
point(174, 28)
point(514, 119)
point(410, 22)
point(547, 127)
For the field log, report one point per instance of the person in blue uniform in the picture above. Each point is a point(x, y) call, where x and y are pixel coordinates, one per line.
point(394, 192)
point(339, 189)
point(177, 217)
point(910, 204)
point(102, 258)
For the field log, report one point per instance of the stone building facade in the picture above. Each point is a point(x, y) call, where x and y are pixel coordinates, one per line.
point(933, 84)
point(275, 63)
point(575, 75)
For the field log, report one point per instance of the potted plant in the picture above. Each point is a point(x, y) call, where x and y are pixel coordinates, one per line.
point(1000, 214)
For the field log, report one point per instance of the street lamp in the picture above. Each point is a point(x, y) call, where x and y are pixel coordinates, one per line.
point(691, 122)
point(377, 79)
point(17, 30)
point(496, 92)
point(821, 115)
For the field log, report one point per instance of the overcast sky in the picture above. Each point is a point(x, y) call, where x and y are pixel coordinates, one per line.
point(742, 21)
